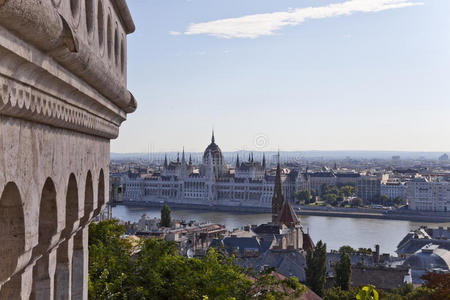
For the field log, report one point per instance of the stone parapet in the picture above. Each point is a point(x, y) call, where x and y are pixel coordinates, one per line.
point(63, 96)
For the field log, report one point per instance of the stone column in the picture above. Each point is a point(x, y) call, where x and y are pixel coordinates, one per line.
point(63, 273)
point(43, 276)
point(80, 265)
point(19, 286)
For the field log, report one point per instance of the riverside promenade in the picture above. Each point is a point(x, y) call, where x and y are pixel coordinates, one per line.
point(304, 210)
point(372, 213)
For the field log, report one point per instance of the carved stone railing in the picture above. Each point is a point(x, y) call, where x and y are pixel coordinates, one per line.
point(63, 96)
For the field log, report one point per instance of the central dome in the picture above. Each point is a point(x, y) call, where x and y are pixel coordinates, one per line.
point(214, 152)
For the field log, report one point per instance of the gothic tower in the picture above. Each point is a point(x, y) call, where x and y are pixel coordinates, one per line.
point(277, 198)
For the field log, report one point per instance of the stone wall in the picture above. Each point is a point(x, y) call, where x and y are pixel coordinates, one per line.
point(63, 96)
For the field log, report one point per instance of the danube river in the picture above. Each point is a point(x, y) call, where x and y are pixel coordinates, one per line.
point(334, 231)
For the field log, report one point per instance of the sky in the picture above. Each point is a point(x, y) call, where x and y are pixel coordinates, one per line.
point(289, 75)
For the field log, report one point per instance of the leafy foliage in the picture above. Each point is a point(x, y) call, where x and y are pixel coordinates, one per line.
point(166, 220)
point(120, 268)
point(337, 294)
point(304, 196)
point(344, 272)
point(316, 268)
point(367, 293)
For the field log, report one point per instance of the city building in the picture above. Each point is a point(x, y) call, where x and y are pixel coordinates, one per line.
point(393, 189)
point(428, 194)
point(443, 157)
point(368, 186)
point(280, 244)
point(63, 97)
point(213, 183)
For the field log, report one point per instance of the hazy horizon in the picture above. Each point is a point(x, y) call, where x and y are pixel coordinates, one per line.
point(295, 75)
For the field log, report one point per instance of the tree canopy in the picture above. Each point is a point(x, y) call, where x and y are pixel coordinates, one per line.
point(343, 271)
point(122, 268)
point(316, 268)
point(166, 219)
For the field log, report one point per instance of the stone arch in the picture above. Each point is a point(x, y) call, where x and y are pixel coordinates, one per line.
point(116, 46)
point(63, 273)
point(43, 271)
point(12, 230)
point(48, 214)
point(75, 10)
point(100, 25)
point(71, 204)
point(89, 10)
point(122, 57)
point(109, 38)
point(100, 192)
point(88, 198)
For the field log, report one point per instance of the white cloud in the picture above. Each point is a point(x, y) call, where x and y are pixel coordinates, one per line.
point(174, 33)
point(253, 26)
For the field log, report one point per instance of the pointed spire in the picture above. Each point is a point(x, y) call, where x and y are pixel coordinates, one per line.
point(277, 198)
point(190, 160)
point(183, 159)
point(264, 161)
point(165, 160)
point(178, 157)
point(213, 140)
point(237, 161)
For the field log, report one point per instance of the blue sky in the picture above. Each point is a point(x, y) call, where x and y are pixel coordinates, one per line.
point(294, 75)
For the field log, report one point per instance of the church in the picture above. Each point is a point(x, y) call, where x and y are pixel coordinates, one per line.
point(247, 183)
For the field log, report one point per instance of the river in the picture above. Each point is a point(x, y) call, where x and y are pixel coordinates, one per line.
point(334, 231)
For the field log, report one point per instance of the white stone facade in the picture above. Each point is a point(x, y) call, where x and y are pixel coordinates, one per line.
point(393, 189)
point(63, 96)
point(425, 195)
point(250, 186)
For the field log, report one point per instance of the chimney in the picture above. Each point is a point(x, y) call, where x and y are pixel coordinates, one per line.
point(377, 254)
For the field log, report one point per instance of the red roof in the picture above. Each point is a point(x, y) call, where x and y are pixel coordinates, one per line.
point(288, 216)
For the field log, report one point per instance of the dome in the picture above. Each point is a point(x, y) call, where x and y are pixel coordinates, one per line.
point(429, 256)
point(214, 152)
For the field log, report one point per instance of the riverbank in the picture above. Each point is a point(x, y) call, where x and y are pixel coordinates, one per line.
point(358, 213)
point(222, 208)
point(380, 216)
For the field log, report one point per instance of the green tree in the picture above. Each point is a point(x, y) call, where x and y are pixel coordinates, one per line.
point(347, 249)
point(330, 198)
point(110, 267)
point(166, 220)
point(398, 201)
point(348, 190)
point(356, 202)
point(303, 196)
point(120, 268)
point(367, 293)
point(384, 200)
point(316, 268)
point(343, 270)
point(336, 293)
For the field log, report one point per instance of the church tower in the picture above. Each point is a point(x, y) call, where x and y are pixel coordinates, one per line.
point(277, 198)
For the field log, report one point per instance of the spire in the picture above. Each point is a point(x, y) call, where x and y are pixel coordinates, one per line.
point(165, 160)
point(237, 161)
point(190, 160)
point(264, 161)
point(252, 156)
point(178, 157)
point(213, 140)
point(277, 198)
point(183, 159)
